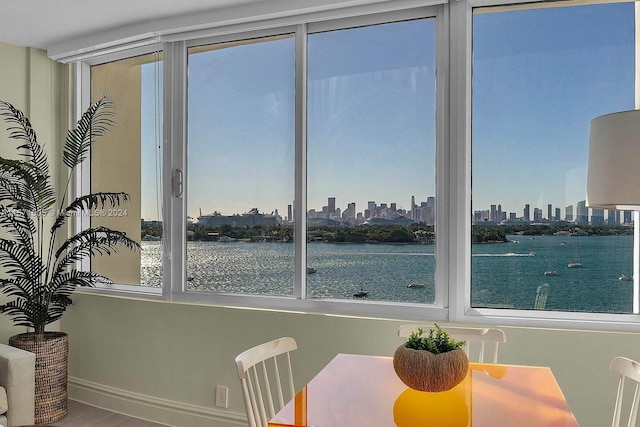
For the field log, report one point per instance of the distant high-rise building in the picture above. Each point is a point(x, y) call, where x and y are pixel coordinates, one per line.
point(431, 211)
point(527, 213)
point(582, 213)
point(352, 208)
point(597, 216)
point(332, 205)
point(568, 213)
point(549, 212)
point(289, 213)
point(628, 217)
point(557, 215)
point(613, 217)
point(493, 213)
point(537, 215)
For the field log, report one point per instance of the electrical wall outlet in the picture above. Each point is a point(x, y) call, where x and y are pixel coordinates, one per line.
point(222, 396)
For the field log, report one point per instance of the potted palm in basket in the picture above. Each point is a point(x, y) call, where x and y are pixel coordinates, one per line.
point(37, 253)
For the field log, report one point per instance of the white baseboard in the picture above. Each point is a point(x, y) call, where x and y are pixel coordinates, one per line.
point(158, 410)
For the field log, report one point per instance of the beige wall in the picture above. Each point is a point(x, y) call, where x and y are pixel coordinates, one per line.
point(163, 360)
point(116, 160)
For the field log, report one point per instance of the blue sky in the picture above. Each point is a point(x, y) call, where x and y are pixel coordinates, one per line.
point(539, 77)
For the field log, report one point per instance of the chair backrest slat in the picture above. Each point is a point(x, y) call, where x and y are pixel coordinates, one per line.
point(487, 339)
point(292, 390)
point(278, 385)
point(261, 378)
point(630, 369)
point(634, 407)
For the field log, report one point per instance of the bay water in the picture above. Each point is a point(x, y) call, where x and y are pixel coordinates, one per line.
point(506, 275)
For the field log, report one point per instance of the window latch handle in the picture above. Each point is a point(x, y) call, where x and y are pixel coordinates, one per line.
point(177, 183)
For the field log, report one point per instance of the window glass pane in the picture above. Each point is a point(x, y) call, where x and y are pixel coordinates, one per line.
point(240, 167)
point(371, 162)
point(129, 159)
point(539, 77)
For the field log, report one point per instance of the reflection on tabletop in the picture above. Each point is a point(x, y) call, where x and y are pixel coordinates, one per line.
point(357, 390)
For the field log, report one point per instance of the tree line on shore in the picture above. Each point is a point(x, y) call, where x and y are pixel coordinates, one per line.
point(418, 234)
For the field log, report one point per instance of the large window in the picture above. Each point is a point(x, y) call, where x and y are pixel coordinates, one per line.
point(427, 161)
point(539, 76)
point(371, 162)
point(240, 163)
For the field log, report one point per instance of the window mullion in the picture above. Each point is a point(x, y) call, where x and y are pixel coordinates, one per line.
point(174, 168)
point(82, 180)
point(442, 227)
point(300, 202)
point(459, 144)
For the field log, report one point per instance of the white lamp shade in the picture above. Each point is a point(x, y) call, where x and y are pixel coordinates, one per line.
point(613, 179)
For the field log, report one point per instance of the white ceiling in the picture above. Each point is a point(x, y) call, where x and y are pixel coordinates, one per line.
point(42, 23)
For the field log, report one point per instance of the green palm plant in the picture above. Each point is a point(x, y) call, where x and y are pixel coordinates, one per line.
point(40, 271)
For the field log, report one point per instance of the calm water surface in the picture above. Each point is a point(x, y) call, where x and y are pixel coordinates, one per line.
point(504, 275)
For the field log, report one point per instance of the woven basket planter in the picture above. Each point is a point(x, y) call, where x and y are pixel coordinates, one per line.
point(424, 371)
point(51, 373)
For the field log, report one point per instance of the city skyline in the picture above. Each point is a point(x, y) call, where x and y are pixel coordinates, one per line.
point(578, 213)
point(424, 212)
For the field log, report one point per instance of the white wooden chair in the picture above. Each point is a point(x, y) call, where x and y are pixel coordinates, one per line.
point(262, 371)
point(627, 368)
point(487, 339)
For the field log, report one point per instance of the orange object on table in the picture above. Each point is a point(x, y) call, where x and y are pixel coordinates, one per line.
point(364, 391)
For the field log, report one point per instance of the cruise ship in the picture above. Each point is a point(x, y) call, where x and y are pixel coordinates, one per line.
point(249, 219)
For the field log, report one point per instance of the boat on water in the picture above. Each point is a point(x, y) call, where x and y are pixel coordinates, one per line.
point(311, 270)
point(360, 293)
point(550, 273)
point(579, 232)
point(624, 278)
point(225, 239)
point(416, 285)
point(574, 264)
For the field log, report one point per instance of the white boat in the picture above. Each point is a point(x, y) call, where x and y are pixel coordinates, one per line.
point(225, 239)
point(574, 264)
point(416, 285)
point(624, 278)
point(550, 273)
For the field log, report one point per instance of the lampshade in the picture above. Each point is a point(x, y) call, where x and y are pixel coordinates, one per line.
point(613, 177)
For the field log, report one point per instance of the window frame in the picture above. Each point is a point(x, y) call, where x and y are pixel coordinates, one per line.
point(462, 17)
point(453, 167)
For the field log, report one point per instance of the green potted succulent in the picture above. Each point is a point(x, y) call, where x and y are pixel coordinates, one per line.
point(432, 362)
point(39, 254)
